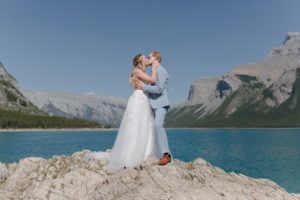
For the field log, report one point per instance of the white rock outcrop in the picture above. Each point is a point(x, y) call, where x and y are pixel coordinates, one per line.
point(71, 177)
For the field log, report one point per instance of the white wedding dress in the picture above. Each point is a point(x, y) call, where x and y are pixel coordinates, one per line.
point(136, 140)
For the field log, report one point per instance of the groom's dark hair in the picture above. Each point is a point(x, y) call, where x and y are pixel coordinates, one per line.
point(157, 55)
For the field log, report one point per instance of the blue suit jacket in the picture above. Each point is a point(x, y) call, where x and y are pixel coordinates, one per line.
point(158, 93)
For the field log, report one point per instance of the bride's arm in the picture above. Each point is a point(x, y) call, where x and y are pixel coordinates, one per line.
point(145, 77)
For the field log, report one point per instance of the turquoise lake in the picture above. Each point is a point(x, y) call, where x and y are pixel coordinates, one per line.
point(259, 153)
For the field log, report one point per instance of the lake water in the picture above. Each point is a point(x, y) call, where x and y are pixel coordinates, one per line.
point(259, 153)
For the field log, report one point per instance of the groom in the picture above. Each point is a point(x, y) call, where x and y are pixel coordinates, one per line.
point(159, 102)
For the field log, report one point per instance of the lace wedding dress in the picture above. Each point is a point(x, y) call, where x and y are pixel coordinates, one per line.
point(136, 140)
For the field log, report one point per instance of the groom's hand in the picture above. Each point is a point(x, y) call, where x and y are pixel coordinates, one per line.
point(139, 85)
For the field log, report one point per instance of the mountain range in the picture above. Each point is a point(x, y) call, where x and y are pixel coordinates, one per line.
point(104, 109)
point(264, 93)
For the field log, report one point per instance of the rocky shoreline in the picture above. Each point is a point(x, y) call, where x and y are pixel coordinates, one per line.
point(71, 177)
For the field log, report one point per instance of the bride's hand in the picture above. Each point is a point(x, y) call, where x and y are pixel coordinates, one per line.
point(155, 65)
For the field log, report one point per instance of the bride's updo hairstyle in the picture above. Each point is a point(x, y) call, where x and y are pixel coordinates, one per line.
point(137, 64)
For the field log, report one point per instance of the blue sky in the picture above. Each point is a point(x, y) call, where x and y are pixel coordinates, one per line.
point(87, 46)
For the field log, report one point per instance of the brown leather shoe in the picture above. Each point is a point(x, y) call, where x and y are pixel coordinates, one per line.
point(165, 159)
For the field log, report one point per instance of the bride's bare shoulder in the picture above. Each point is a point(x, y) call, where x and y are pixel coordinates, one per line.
point(139, 71)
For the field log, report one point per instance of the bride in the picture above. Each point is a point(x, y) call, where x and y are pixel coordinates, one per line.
point(136, 140)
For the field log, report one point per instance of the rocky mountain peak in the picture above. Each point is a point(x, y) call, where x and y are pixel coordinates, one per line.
point(280, 59)
point(11, 96)
point(269, 83)
point(291, 36)
point(5, 76)
point(290, 46)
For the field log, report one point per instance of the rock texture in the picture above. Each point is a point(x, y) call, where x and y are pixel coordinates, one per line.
point(210, 93)
point(103, 109)
point(282, 89)
point(71, 177)
point(11, 96)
